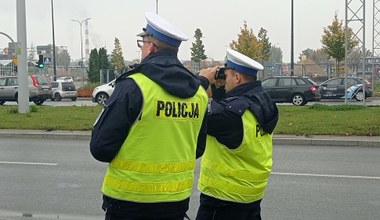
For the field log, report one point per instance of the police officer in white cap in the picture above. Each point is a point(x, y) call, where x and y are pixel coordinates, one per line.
point(238, 158)
point(151, 131)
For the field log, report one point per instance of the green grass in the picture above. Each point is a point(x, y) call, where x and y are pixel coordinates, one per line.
point(49, 117)
point(300, 120)
point(329, 120)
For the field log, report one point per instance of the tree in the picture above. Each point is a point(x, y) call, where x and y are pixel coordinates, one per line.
point(266, 48)
point(197, 49)
point(318, 56)
point(248, 44)
point(117, 60)
point(104, 63)
point(93, 66)
point(333, 41)
point(63, 59)
point(275, 56)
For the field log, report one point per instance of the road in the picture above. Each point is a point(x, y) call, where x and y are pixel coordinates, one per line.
point(58, 179)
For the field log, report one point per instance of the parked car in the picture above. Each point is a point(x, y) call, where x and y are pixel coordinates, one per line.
point(101, 93)
point(39, 89)
point(65, 79)
point(334, 88)
point(297, 90)
point(63, 90)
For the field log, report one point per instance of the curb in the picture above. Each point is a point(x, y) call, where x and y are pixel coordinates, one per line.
point(322, 140)
point(73, 135)
point(325, 142)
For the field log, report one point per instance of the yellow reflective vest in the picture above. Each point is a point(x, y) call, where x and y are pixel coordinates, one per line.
point(157, 160)
point(241, 174)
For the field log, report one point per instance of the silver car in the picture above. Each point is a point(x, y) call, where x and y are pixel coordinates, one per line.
point(63, 90)
point(39, 89)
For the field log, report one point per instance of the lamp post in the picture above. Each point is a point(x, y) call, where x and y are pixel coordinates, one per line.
point(292, 43)
point(52, 27)
point(81, 44)
point(156, 6)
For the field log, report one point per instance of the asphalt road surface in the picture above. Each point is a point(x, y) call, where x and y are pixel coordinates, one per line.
point(59, 179)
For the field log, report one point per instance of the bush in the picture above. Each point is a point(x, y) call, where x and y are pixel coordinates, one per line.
point(87, 89)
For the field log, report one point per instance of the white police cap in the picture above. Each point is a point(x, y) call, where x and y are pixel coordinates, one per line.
point(162, 30)
point(242, 63)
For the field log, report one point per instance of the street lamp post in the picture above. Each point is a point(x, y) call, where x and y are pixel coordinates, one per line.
point(156, 6)
point(81, 44)
point(292, 43)
point(52, 27)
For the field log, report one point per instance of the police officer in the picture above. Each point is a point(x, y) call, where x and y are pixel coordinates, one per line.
point(238, 158)
point(151, 131)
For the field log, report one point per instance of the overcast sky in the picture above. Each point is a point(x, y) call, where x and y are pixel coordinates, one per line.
point(219, 20)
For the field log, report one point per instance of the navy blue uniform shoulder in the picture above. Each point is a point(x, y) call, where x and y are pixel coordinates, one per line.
point(235, 104)
point(263, 108)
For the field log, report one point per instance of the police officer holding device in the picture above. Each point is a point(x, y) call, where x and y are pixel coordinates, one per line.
point(238, 158)
point(151, 131)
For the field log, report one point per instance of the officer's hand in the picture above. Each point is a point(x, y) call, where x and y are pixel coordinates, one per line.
point(209, 73)
point(220, 83)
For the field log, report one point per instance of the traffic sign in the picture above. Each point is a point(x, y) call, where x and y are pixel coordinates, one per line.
point(47, 60)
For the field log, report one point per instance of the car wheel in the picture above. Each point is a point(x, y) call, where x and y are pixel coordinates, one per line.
point(101, 98)
point(2, 102)
point(359, 96)
point(298, 99)
point(39, 101)
point(57, 97)
point(74, 99)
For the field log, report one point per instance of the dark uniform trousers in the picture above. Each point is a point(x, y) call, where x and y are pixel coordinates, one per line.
point(126, 210)
point(113, 216)
point(215, 209)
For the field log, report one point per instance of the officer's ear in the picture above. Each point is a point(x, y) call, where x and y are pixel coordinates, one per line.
point(242, 78)
point(238, 77)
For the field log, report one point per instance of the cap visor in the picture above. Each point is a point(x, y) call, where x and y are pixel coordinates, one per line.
point(142, 34)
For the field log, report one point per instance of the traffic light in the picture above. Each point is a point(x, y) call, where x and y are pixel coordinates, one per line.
point(40, 63)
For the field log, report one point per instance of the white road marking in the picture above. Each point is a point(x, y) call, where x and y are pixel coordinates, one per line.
point(328, 175)
point(28, 163)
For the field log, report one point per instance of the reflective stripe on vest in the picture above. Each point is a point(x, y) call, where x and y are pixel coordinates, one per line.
point(157, 160)
point(241, 174)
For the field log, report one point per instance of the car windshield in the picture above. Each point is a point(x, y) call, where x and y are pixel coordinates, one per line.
point(314, 83)
point(68, 86)
point(54, 85)
point(42, 80)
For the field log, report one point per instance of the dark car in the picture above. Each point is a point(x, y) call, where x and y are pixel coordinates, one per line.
point(297, 90)
point(334, 88)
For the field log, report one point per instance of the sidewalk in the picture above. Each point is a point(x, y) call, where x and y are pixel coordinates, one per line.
point(321, 140)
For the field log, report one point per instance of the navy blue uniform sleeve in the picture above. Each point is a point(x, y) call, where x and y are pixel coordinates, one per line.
point(217, 93)
point(225, 125)
point(113, 124)
point(204, 82)
point(202, 138)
